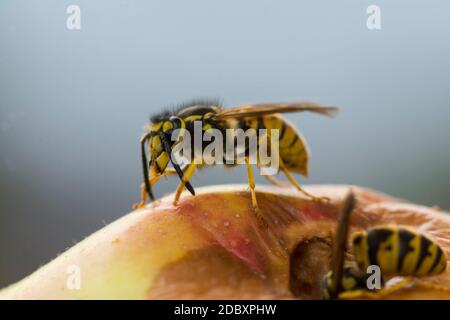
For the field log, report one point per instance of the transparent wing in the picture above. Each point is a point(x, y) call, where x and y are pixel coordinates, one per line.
point(254, 110)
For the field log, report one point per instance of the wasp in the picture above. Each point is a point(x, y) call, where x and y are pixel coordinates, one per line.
point(396, 250)
point(293, 153)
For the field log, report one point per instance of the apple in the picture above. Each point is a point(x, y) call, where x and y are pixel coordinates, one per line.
point(211, 246)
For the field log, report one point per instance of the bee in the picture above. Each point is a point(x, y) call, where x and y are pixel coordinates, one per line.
point(396, 250)
point(293, 152)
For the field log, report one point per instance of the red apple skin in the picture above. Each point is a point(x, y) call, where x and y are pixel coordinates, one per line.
point(212, 246)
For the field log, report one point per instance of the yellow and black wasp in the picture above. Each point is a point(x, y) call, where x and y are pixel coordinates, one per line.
point(396, 250)
point(293, 152)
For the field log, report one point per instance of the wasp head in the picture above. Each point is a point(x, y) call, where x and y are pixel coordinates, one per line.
point(161, 137)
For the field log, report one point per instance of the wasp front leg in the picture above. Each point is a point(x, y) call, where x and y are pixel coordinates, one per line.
point(144, 195)
point(143, 200)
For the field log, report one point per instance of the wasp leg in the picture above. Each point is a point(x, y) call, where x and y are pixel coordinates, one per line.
point(364, 294)
point(172, 171)
point(354, 294)
point(271, 178)
point(144, 195)
point(297, 186)
point(143, 200)
point(251, 184)
point(186, 176)
point(276, 182)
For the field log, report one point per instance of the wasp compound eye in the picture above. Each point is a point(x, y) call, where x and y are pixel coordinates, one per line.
point(177, 123)
point(167, 126)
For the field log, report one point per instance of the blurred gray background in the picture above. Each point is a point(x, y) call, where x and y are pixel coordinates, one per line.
point(73, 104)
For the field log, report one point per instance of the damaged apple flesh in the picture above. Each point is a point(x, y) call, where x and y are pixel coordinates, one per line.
point(212, 246)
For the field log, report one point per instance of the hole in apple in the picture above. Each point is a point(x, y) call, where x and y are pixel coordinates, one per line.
point(309, 263)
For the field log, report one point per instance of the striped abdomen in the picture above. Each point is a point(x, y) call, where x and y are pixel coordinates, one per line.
point(398, 250)
point(293, 149)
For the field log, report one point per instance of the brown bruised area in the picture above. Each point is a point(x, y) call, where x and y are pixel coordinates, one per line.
point(211, 247)
point(213, 273)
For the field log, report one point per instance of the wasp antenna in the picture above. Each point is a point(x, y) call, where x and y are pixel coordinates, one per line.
point(148, 186)
point(340, 243)
point(177, 168)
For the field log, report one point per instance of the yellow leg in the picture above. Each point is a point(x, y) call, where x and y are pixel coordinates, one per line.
point(291, 180)
point(143, 200)
point(251, 184)
point(169, 172)
point(173, 172)
point(276, 182)
point(360, 294)
point(297, 186)
point(186, 177)
point(272, 179)
point(385, 291)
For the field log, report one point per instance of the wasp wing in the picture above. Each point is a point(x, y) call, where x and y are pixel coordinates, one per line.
point(254, 110)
